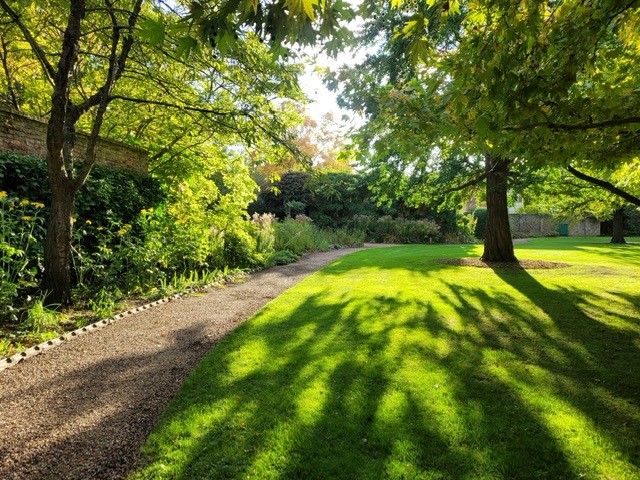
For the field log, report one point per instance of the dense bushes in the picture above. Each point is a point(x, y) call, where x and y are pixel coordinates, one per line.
point(108, 196)
point(332, 200)
point(388, 230)
point(295, 237)
point(632, 220)
point(21, 231)
point(133, 236)
point(480, 216)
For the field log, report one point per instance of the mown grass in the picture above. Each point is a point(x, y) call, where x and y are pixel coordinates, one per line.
point(387, 364)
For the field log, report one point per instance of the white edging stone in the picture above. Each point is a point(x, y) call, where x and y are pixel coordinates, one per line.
point(13, 360)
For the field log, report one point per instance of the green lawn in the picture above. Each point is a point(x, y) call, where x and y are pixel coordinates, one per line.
point(387, 364)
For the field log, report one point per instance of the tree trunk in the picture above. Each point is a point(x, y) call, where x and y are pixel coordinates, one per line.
point(57, 253)
point(498, 245)
point(618, 226)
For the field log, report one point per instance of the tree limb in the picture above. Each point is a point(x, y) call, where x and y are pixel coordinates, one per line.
point(604, 184)
point(190, 108)
point(470, 183)
point(575, 126)
point(35, 46)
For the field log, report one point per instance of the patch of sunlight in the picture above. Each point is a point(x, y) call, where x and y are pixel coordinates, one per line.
point(304, 334)
point(611, 310)
point(272, 460)
point(585, 447)
point(249, 358)
point(404, 462)
point(311, 401)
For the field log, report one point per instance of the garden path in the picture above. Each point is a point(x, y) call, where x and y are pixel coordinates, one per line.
point(83, 409)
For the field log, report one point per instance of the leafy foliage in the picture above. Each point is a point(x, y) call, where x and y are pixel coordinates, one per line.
point(21, 228)
point(480, 215)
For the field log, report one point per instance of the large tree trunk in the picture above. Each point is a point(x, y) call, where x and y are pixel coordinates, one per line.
point(57, 267)
point(498, 245)
point(618, 226)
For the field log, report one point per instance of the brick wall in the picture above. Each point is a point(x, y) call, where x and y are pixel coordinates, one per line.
point(26, 134)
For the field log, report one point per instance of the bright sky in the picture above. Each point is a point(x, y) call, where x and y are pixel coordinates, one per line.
point(322, 99)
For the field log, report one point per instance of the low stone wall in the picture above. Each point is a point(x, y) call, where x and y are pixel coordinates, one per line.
point(526, 225)
point(27, 135)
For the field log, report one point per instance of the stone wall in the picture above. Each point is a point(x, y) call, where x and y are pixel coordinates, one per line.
point(531, 225)
point(589, 227)
point(26, 134)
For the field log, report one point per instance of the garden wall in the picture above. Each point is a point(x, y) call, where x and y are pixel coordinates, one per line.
point(525, 225)
point(26, 134)
point(589, 227)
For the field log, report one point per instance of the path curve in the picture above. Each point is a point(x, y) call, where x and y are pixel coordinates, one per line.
point(83, 409)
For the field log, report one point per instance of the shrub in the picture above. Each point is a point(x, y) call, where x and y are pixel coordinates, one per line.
point(632, 220)
point(294, 208)
point(480, 216)
point(240, 249)
point(302, 236)
point(387, 230)
point(110, 195)
point(283, 257)
point(21, 234)
point(298, 237)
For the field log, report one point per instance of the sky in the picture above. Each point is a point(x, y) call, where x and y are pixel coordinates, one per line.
point(322, 100)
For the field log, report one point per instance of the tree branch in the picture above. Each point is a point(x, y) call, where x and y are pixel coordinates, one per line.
point(470, 183)
point(604, 184)
point(575, 126)
point(37, 49)
point(190, 108)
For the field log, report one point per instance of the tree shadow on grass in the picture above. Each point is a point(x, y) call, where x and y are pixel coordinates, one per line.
point(591, 363)
point(335, 394)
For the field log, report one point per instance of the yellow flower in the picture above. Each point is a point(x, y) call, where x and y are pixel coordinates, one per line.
point(88, 222)
point(24, 202)
point(122, 231)
point(3, 194)
point(38, 204)
point(26, 217)
point(100, 229)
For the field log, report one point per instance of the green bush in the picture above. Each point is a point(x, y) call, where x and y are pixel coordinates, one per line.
point(110, 195)
point(21, 235)
point(299, 236)
point(388, 230)
point(480, 215)
point(283, 257)
point(632, 220)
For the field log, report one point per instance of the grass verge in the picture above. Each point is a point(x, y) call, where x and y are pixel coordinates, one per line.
point(388, 364)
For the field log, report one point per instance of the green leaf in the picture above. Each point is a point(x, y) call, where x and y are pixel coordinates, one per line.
point(152, 30)
point(185, 46)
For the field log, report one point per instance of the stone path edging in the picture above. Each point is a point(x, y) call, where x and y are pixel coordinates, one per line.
point(17, 358)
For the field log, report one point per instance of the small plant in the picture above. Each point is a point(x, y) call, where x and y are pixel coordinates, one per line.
point(5, 347)
point(283, 257)
point(41, 319)
point(104, 305)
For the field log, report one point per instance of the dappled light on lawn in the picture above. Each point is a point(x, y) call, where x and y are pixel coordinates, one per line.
point(387, 364)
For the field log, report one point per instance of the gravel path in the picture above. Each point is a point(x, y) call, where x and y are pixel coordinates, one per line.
point(83, 409)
